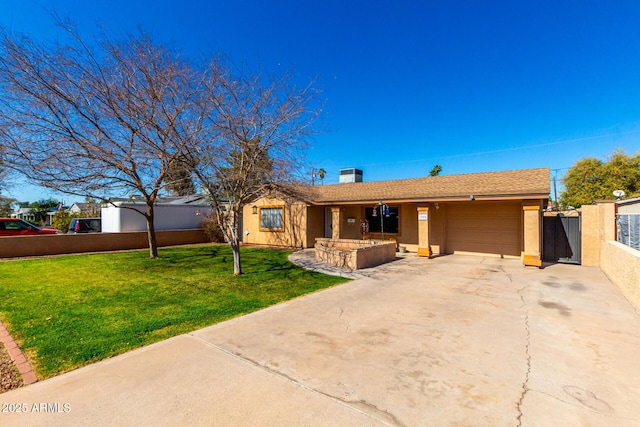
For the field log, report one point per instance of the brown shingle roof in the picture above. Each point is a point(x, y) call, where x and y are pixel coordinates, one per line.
point(526, 183)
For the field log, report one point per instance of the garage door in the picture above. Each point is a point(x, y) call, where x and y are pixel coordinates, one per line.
point(489, 227)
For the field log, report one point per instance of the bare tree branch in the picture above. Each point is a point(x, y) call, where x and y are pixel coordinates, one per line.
point(100, 121)
point(262, 126)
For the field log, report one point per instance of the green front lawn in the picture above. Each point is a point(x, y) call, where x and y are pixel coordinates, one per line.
point(69, 311)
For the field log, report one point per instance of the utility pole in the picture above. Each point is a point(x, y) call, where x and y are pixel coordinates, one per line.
point(555, 192)
point(313, 176)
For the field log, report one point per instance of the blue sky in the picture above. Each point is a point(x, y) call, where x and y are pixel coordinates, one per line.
point(472, 86)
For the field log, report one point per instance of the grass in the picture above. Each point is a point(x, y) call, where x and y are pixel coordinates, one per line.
point(70, 311)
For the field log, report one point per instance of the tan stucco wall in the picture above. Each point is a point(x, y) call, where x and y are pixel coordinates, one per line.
point(619, 262)
point(315, 224)
point(532, 232)
point(354, 254)
point(56, 244)
point(424, 220)
point(408, 225)
point(608, 220)
point(437, 228)
point(622, 265)
point(295, 224)
point(598, 226)
point(590, 235)
point(351, 230)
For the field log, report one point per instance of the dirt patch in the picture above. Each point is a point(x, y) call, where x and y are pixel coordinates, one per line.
point(10, 378)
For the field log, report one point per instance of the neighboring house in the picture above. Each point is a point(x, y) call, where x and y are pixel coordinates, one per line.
point(183, 213)
point(628, 222)
point(629, 206)
point(89, 209)
point(51, 212)
point(496, 213)
point(28, 215)
point(25, 214)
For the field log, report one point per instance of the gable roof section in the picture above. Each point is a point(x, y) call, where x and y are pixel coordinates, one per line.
point(526, 183)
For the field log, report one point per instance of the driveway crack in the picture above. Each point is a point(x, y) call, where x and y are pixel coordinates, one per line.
point(525, 384)
point(363, 407)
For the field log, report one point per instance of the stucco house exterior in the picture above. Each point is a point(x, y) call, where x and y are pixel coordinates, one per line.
point(493, 213)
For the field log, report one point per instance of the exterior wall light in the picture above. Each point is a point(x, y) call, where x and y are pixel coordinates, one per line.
point(472, 197)
point(254, 210)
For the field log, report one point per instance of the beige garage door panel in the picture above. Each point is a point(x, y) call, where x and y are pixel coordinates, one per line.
point(492, 228)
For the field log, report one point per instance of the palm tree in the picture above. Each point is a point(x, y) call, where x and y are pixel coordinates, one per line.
point(436, 170)
point(321, 174)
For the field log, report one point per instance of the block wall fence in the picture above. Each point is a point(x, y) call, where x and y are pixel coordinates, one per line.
point(600, 249)
point(57, 244)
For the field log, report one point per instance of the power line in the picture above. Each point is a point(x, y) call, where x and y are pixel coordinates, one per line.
point(524, 147)
point(499, 151)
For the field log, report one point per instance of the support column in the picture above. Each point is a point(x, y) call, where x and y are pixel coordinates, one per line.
point(423, 231)
point(336, 224)
point(532, 233)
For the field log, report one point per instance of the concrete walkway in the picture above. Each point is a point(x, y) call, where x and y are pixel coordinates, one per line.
point(449, 341)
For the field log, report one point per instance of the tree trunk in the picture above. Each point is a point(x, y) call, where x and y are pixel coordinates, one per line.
point(237, 267)
point(151, 232)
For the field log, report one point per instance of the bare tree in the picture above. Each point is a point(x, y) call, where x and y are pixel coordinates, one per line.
point(263, 123)
point(99, 120)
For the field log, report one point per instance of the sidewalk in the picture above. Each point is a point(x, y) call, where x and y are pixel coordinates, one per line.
point(178, 382)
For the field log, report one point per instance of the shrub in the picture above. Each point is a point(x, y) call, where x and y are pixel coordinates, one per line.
point(62, 219)
point(212, 229)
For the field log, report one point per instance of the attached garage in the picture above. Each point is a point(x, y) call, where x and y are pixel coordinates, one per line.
point(484, 227)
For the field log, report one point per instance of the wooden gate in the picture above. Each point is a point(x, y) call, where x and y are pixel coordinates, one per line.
point(562, 238)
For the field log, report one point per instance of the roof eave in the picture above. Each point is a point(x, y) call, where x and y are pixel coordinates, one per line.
point(440, 199)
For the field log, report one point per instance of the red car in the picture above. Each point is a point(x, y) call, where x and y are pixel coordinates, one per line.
point(18, 227)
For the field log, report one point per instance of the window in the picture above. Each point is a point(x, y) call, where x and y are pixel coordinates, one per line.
point(271, 219)
point(16, 225)
point(376, 223)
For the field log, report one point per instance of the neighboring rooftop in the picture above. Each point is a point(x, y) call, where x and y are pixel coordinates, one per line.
point(526, 183)
point(629, 201)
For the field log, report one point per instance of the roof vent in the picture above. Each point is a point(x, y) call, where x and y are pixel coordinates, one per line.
point(350, 175)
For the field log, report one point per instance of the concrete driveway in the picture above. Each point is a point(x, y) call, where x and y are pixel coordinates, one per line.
point(449, 341)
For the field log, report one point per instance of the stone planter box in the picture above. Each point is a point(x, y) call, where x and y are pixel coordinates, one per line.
point(354, 254)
